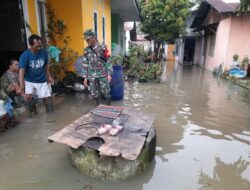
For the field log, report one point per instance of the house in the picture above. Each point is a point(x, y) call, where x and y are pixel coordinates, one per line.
point(123, 12)
point(185, 45)
point(19, 17)
point(78, 15)
point(219, 34)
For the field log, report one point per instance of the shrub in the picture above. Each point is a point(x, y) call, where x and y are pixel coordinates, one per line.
point(235, 57)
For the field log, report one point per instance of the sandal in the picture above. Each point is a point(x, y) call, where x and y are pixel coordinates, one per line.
point(115, 130)
point(105, 128)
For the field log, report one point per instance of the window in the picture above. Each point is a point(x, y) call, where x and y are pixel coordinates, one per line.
point(96, 24)
point(103, 29)
point(212, 43)
point(42, 17)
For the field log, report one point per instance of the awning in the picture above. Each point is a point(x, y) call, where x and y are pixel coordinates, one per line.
point(221, 6)
point(200, 15)
point(212, 27)
point(128, 10)
point(148, 37)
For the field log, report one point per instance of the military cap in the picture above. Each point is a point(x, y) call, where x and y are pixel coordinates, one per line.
point(88, 34)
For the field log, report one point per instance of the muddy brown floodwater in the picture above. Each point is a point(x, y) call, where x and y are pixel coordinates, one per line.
point(203, 138)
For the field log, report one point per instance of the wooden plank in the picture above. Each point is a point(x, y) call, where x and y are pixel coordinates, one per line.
point(131, 146)
point(128, 147)
point(127, 144)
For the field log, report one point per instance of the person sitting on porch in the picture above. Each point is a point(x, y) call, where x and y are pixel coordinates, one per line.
point(9, 82)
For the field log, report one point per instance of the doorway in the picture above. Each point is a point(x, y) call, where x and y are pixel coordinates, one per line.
point(12, 33)
point(189, 51)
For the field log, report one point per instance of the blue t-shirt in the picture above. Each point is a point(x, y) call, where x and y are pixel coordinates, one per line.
point(34, 65)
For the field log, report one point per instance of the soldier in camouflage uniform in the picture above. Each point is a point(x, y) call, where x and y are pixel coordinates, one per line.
point(9, 82)
point(96, 68)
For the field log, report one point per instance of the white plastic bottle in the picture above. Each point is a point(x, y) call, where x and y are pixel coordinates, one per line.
point(2, 108)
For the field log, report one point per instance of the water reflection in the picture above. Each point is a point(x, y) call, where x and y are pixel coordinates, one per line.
point(150, 98)
point(226, 176)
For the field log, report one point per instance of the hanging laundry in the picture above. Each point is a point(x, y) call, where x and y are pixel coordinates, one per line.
point(54, 53)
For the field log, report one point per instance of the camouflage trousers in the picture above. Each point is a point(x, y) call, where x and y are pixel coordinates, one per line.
point(100, 86)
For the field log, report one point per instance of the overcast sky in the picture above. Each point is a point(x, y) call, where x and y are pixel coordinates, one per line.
point(231, 1)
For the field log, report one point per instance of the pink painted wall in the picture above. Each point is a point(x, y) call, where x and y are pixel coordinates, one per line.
point(197, 51)
point(239, 41)
point(221, 45)
point(233, 36)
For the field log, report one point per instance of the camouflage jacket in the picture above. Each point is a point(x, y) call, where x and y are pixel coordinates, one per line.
point(94, 63)
point(8, 78)
point(3, 95)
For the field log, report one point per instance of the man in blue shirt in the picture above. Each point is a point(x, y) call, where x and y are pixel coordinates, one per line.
point(34, 72)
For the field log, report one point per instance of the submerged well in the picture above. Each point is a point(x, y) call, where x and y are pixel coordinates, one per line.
point(108, 156)
point(89, 162)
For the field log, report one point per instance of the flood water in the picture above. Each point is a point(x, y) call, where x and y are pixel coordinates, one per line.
point(203, 138)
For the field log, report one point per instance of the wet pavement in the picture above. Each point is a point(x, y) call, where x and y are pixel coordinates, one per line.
point(203, 131)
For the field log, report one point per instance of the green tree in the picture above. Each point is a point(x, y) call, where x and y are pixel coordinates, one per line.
point(244, 5)
point(164, 20)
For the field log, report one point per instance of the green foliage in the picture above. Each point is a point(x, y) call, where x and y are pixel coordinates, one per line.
point(56, 27)
point(154, 71)
point(235, 57)
point(165, 20)
point(245, 61)
point(70, 78)
point(117, 60)
point(225, 74)
point(57, 36)
point(56, 33)
point(244, 6)
point(29, 27)
point(133, 67)
point(137, 68)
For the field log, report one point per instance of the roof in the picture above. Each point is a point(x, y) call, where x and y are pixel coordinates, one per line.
point(200, 15)
point(128, 10)
point(222, 6)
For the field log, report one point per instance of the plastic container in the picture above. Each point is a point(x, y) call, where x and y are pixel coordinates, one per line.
point(117, 83)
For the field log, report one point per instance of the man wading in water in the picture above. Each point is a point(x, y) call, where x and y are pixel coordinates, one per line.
point(34, 74)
